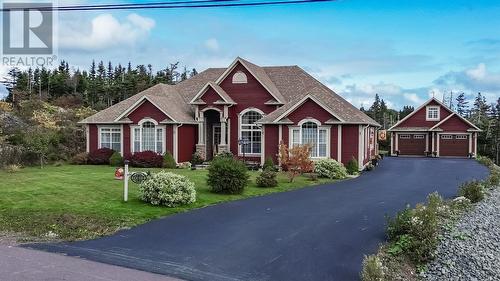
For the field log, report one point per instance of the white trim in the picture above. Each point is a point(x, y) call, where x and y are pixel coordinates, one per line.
point(452, 133)
point(360, 147)
point(176, 143)
point(470, 143)
point(233, 65)
point(205, 89)
point(393, 149)
point(320, 127)
point(442, 121)
point(212, 108)
point(240, 115)
point(475, 144)
point(280, 133)
point(301, 102)
point(242, 80)
point(87, 135)
point(428, 108)
point(262, 146)
point(122, 138)
point(425, 104)
point(427, 142)
point(339, 143)
point(100, 127)
point(228, 139)
point(139, 103)
point(157, 126)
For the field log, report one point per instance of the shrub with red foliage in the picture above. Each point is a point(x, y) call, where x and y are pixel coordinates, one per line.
point(100, 156)
point(146, 159)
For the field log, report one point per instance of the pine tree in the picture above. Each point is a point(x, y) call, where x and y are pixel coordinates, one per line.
point(462, 104)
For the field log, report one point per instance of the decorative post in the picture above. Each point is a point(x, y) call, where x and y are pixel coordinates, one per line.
point(125, 183)
point(243, 142)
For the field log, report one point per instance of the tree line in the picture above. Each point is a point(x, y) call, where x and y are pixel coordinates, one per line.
point(101, 86)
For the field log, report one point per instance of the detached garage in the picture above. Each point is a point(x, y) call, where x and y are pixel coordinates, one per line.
point(434, 129)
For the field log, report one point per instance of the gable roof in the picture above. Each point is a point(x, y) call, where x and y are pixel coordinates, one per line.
point(259, 74)
point(453, 113)
point(225, 97)
point(287, 84)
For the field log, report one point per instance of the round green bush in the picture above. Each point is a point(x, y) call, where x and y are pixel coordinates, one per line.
point(352, 166)
point(329, 168)
point(227, 175)
point(168, 189)
point(116, 159)
point(267, 179)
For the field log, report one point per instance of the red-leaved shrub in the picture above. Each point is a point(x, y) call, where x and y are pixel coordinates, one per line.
point(100, 156)
point(146, 159)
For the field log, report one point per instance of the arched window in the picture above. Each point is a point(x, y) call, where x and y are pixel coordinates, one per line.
point(250, 132)
point(148, 136)
point(311, 133)
point(239, 78)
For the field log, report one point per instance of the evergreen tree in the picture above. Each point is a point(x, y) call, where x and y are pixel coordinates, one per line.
point(462, 105)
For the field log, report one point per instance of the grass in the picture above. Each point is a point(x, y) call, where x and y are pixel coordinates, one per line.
point(81, 202)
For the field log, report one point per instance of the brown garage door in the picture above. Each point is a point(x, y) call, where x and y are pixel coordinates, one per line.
point(454, 145)
point(411, 144)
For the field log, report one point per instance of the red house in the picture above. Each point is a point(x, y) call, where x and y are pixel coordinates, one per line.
point(212, 111)
point(434, 129)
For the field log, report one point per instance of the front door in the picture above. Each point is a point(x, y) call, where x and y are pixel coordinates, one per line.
point(215, 138)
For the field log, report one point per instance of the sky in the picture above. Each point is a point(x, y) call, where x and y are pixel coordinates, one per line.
point(406, 51)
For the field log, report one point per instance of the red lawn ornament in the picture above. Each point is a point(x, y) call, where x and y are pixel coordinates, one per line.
point(119, 174)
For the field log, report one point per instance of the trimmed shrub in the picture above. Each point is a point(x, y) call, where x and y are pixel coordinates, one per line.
point(352, 167)
point(146, 159)
point(269, 164)
point(472, 190)
point(196, 159)
point(168, 161)
point(224, 154)
point(372, 269)
point(167, 189)
point(329, 168)
point(116, 160)
point(100, 156)
point(79, 159)
point(227, 175)
point(267, 179)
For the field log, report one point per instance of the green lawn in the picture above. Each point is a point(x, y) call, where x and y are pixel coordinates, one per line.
point(81, 202)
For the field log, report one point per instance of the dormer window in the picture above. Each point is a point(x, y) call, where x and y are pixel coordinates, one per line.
point(432, 113)
point(239, 78)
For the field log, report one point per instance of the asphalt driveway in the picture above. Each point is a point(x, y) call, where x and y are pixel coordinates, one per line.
point(316, 233)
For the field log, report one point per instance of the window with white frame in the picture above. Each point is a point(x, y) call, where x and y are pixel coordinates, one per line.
point(446, 137)
point(432, 113)
point(461, 137)
point(418, 137)
point(239, 78)
point(251, 132)
point(110, 137)
point(148, 136)
point(310, 133)
point(404, 137)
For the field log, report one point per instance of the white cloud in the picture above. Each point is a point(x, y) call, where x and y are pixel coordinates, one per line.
point(413, 98)
point(105, 31)
point(212, 44)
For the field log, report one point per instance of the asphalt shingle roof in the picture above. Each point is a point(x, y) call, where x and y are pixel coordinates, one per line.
point(289, 84)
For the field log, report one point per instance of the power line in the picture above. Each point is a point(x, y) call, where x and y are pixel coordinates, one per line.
point(171, 5)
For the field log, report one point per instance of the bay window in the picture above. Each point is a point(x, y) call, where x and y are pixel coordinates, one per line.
point(311, 133)
point(148, 135)
point(110, 137)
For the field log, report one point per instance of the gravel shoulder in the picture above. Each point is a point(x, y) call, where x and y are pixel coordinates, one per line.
point(471, 249)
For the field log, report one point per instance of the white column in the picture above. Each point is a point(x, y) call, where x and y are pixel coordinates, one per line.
point(339, 143)
point(223, 132)
point(437, 143)
point(470, 143)
point(475, 144)
point(361, 153)
point(427, 141)
point(263, 146)
point(176, 141)
point(87, 133)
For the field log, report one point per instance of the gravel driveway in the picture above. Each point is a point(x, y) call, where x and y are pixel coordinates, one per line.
point(315, 233)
